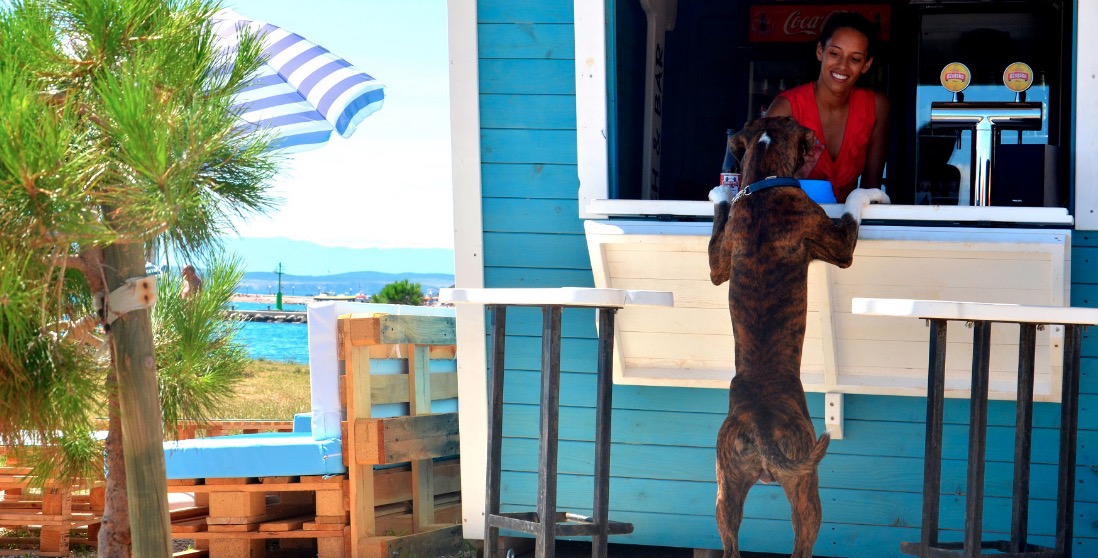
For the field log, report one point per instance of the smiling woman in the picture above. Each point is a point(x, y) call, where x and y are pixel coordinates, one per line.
point(851, 124)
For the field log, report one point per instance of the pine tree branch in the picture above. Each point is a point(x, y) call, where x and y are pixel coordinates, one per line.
point(89, 263)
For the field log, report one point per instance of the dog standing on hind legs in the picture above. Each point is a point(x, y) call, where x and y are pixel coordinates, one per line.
point(762, 243)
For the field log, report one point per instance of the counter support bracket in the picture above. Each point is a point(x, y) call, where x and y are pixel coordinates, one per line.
point(833, 415)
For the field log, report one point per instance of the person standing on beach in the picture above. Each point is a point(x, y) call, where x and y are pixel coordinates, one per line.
point(192, 283)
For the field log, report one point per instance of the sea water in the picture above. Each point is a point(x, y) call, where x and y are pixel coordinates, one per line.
point(279, 342)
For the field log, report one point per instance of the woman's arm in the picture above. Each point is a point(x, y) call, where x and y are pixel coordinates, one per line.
point(781, 107)
point(877, 151)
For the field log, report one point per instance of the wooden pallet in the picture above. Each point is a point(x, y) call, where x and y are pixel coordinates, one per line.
point(237, 517)
point(49, 522)
point(428, 522)
point(52, 515)
point(187, 429)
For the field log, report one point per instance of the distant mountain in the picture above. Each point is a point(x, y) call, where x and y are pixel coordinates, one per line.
point(367, 282)
point(302, 258)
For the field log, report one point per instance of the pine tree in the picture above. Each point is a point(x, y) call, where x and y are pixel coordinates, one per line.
point(117, 140)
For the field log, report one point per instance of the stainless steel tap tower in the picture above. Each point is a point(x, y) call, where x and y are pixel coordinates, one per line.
point(985, 119)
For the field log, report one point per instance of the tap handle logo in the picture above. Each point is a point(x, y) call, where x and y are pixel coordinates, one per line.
point(1018, 77)
point(955, 77)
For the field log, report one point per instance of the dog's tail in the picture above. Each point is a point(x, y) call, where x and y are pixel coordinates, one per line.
point(778, 461)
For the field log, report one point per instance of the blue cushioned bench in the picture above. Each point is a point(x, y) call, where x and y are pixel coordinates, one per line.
point(269, 454)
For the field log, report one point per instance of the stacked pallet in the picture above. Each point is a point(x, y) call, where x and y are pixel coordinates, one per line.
point(427, 521)
point(44, 518)
point(401, 493)
point(187, 429)
point(240, 517)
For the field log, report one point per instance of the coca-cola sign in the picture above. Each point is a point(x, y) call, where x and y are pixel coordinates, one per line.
point(802, 23)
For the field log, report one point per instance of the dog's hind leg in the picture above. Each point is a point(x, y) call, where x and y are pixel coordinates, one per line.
point(804, 500)
point(732, 486)
point(738, 468)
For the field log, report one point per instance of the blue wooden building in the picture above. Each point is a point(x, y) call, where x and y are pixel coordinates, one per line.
point(551, 119)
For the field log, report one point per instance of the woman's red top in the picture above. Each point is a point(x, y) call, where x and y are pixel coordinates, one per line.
point(843, 171)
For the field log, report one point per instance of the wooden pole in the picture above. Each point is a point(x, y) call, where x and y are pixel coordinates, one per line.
point(139, 402)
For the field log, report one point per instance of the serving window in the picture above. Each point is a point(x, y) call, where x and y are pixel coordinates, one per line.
point(931, 243)
point(656, 93)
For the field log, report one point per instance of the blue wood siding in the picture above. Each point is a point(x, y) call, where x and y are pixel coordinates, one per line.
point(663, 452)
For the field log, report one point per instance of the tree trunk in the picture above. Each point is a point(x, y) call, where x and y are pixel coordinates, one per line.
point(139, 406)
point(114, 529)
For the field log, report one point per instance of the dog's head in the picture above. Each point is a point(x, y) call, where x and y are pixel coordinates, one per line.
point(773, 146)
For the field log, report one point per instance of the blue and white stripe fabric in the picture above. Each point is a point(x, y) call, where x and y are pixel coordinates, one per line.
point(303, 92)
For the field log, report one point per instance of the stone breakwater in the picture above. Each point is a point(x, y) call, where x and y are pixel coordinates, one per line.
point(276, 316)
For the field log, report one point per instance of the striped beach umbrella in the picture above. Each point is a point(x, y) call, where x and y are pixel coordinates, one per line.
point(303, 93)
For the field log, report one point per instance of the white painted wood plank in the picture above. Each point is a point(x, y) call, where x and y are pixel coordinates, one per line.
point(564, 296)
point(694, 321)
point(1086, 106)
point(592, 153)
point(986, 293)
point(949, 271)
point(683, 348)
point(974, 311)
point(938, 213)
point(882, 328)
point(859, 353)
point(697, 233)
point(468, 256)
point(819, 285)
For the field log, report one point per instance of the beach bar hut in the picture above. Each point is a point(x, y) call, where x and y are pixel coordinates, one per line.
point(557, 106)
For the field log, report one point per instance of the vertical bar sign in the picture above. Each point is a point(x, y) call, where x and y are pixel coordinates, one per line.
point(661, 18)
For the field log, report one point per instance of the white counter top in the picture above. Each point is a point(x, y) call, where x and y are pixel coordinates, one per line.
point(974, 311)
point(564, 296)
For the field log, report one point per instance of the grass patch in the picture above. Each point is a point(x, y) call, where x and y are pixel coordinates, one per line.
point(270, 390)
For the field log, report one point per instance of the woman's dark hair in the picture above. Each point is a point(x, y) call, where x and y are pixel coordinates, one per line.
point(850, 20)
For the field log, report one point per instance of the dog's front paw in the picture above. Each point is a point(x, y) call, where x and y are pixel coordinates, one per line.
point(877, 196)
point(861, 197)
point(721, 194)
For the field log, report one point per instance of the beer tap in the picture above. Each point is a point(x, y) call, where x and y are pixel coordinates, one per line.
point(984, 118)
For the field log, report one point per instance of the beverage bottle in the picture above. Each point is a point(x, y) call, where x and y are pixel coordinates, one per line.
point(730, 169)
point(729, 164)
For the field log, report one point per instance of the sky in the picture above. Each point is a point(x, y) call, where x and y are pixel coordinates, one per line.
point(389, 184)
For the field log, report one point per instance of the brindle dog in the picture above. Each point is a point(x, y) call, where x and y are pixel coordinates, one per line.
point(762, 243)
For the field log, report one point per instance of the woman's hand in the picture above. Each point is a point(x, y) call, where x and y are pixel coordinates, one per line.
point(810, 160)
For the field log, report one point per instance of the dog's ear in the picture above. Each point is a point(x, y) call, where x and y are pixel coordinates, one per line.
point(738, 143)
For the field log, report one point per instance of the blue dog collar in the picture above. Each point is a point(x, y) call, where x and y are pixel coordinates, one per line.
point(770, 182)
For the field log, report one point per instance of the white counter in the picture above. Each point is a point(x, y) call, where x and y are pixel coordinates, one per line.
point(691, 344)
